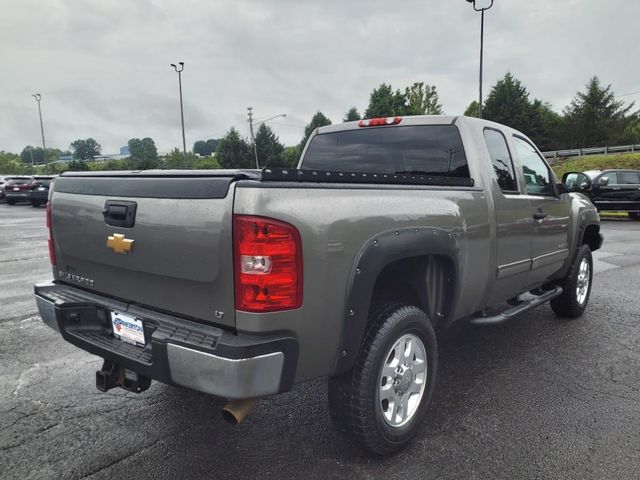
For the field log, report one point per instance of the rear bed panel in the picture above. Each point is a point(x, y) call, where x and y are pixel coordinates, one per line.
point(181, 260)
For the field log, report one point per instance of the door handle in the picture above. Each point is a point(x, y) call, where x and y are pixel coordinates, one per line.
point(539, 215)
point(119, 213)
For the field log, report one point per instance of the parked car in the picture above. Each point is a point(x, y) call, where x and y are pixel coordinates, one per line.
point(39, 190)
point(242, 283)
point(614, 190)
point(3, 180)
point(16, 189)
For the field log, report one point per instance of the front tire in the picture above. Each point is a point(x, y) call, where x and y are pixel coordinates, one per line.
point(576, 286)
point(634, 215)
point(11, 202)
point(381, 403)
point(35, 204)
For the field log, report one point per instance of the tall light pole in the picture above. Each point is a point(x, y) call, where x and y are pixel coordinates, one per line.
point(481, 10)
point(252, 124)
point(38, 97)
point(179, 71)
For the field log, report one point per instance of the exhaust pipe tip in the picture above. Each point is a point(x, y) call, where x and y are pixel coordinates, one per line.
point(237, 410)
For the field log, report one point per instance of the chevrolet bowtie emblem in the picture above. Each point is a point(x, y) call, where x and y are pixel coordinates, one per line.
point(119, 244)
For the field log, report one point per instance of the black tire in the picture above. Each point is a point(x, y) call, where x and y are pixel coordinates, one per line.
point(11, 202)
point(35, 204)
point(353, 396)
point(634, 215)
point(568, 304)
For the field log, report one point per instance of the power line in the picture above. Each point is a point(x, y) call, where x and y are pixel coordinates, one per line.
point(627, 94)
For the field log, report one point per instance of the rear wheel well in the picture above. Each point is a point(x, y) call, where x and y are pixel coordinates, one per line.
point(591, 237)
point(425, 282)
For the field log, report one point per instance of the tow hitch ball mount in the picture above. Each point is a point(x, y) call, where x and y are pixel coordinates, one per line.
point(113, 375)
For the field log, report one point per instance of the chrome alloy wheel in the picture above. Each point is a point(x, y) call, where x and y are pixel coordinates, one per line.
point(402, 380)
point(582, 288)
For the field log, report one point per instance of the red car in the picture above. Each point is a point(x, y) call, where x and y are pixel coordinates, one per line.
point(16, 189)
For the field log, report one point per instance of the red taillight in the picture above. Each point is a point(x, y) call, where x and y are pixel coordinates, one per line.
point(378, 122)
point(268, 264)
point(52, 253)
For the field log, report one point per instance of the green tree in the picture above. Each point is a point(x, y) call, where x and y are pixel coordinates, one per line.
point(206, 163)
point(143, 154)
point(205, 148)
point(10, 163)
point(85, 149)
point(508, 103)
point(630, 134)
point(384, 102)
point(77, 166)
point(352, 115)
point(111, 165)
point(32, 155)
point(234, 152)
point(422, 99)
point(268, 147)
point(53, 155)
point(291, 156)
point(318, 120)
point(595, 118)
point(472, 109)
point(545, 127)
point(177, 160)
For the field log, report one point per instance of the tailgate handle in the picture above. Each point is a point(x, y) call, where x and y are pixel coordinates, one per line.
point(118, 213)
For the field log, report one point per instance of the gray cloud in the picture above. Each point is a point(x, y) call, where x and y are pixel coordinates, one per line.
point(103, 67)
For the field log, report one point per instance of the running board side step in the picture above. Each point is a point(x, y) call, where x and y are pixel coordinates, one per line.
point(521, 307)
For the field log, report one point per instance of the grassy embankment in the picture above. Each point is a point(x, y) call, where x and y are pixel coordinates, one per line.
point(599, 162)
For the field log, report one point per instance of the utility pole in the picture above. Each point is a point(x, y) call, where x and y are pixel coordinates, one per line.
point(481, 10)
point(179, 71)
point(253, 138)
point(38, 97)
point(31, 153)
point(253, 124)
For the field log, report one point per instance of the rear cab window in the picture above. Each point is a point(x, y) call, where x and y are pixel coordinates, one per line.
point(628, 178)
point(421, 149)
point(501, 160)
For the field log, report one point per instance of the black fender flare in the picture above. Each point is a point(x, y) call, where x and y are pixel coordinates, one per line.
point(582, 228)
point(378, 252)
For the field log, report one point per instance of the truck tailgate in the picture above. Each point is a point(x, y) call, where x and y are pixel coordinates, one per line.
point(180, 259)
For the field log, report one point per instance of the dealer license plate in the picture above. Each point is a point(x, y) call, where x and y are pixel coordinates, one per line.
point(127, 328)
point(16, 189)
point(41, 189)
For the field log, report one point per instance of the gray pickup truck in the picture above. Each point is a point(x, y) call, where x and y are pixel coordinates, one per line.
point(241, 284)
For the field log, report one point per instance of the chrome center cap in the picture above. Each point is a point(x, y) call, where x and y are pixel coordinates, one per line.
point(406, 379)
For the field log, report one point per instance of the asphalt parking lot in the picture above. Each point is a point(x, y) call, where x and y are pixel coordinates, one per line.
point(535, 398)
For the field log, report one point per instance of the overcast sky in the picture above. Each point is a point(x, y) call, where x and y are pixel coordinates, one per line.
point(103, 70)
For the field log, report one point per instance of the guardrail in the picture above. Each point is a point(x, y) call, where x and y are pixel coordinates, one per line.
point(583, 152)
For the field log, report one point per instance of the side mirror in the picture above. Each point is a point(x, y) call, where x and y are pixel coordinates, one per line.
point(576, 182)
point(604, 181)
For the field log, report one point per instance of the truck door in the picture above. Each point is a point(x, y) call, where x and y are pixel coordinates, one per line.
point(603, 193)
point(514, 228)
point(617, 191)
point(629, 184)
point(549, 214)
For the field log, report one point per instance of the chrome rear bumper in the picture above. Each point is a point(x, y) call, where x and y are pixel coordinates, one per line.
point(178, 351)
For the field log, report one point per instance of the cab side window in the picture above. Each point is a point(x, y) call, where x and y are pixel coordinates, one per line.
point(501, 159)
point(537, 177)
